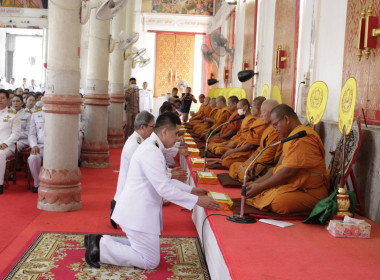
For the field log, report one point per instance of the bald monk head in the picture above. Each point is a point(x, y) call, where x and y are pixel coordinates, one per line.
point(220, 102)
point(243, 106)
point(206, 101)
point(266, 109)
point(284, 119)
point(232, 103)
point(201, 98)
point(256, 105)
point(213, 102)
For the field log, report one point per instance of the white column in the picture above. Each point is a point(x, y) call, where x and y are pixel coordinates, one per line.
point(129, 27)
point(60, 188)
point(115, 133)
point(95, 146)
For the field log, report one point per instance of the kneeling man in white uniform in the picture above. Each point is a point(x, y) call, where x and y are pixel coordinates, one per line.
point(139, 207)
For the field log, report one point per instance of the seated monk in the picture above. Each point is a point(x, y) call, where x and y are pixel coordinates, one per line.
point(207, 121)
point(200, 114)
point(300, 179)
point(246, 146)
point(230, 129)
point(220, 117)
point(269, 157)
point(241, 136)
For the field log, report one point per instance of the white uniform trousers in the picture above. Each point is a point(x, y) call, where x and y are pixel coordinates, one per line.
point(21, 144)
point(7, 152)
point(141, 249)
point(35, 166)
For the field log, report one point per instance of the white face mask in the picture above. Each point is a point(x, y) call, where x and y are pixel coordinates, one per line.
point(132, 85)
point(241, 112)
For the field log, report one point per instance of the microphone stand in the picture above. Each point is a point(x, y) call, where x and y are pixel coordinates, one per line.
point(246, 219)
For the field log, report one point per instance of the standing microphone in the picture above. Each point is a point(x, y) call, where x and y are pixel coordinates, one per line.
point(205, 154)
point(247, 219)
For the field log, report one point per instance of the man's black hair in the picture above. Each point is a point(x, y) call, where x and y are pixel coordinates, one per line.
point(169, 120)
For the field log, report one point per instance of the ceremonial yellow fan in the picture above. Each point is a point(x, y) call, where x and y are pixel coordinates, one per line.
point(347, 106)
point(316, 102)
point(276, 94)
point(265, 91)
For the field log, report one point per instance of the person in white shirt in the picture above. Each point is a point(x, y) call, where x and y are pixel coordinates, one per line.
point(36, 142)
point(144, 126)
point(24, 85)
point(139, 207)
point(10, 128)
point(33, 87)
point(24, 117)
point(12, 84)
point(145, 98)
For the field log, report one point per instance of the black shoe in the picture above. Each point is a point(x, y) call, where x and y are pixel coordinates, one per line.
point(35, 189)
point(92, 255)
point(86, 241)
point(1, 189)
point(113, 204)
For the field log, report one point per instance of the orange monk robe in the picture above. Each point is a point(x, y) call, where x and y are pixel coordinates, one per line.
point(254, 138)
point(235, 126)
point(199, 116)
point(221, 117)
point(308, 187)
point(200, 127)
point(269, 157)
point(221, 148)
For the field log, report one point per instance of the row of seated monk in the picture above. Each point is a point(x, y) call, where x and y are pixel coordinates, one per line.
point(287, 178)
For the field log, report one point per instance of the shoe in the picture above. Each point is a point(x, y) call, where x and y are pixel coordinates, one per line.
point(92, 255)
point(35, 189)
point(1, 189)
point(113, 204)
point(86, 241)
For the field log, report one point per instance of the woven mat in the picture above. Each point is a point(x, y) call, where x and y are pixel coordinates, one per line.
point(248, 209)
point(61, 256)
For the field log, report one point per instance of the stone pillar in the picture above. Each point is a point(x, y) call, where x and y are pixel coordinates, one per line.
point(95, 146)
point(115, 133)
point(129, 28)
point(60, 188)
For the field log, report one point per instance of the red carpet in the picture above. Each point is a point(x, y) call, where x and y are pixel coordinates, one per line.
point(61, 256)
point(21, 219)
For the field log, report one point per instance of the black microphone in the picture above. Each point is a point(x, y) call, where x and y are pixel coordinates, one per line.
point(237, 119)
point(300, 134)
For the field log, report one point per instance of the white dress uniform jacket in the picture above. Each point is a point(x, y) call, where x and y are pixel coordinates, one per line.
point(24, 117)
point(129, 149)
point(37, 129)
point(10, 128)
point(139, 206)
point(145, 100)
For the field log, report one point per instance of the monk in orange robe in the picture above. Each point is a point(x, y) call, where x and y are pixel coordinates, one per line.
point(241, 136)
point(207, 121)
point(230, 129)
point(220, 117)
point(269, 157)
point(300, 179)
point(201, 112)
point(246, 146)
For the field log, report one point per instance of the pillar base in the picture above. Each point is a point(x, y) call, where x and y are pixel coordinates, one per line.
point(59, 190)
point(115, 138)
point(95, 155)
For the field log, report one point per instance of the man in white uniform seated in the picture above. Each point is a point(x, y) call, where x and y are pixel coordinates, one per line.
point(36, 143)
point(10, 129)
point(139, 207)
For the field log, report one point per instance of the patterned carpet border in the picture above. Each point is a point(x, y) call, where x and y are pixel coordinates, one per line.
point(55, 255)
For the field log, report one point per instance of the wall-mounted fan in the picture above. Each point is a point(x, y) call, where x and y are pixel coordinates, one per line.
point(141, 62)
point(124, 42)
point(106, 10)
point(208, 54)
point(134, 54)
point(219, 44)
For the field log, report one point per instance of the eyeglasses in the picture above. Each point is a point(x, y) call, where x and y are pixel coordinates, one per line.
point(276, 123)
point(152, 126)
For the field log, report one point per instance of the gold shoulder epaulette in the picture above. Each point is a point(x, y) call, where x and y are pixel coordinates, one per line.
point(155, 142)
point(138, 140)
point(37, 110)
point(28, 111)
point(12, 111)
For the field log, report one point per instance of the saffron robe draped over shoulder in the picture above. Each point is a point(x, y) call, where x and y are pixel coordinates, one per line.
point(199, 128)
point(269, 157)
point(308, 187)
point(254, 138)
point(235, 126)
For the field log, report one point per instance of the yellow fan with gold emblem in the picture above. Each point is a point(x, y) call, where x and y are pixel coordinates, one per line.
point(265, 91)
point(347, 106)
point(316, 102)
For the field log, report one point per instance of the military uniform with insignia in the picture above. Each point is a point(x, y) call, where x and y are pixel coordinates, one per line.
point(24, 117)
point(36, 138)
point(132, 109)
point(10, 128)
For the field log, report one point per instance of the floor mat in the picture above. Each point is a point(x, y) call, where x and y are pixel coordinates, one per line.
point(61, 256)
